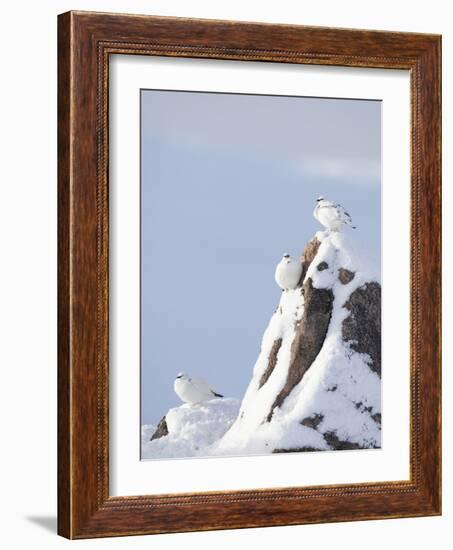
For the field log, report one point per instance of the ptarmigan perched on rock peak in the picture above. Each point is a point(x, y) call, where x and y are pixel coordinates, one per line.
point(331, 215)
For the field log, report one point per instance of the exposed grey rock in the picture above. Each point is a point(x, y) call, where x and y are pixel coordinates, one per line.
point(313, 421)
point(345, 275)
point(311, 331)
point(362, 328)
point(272, 361)
point(161, 430)
point(332, 440)
point(362, 408)
point(322, 266)
point(308, 255)
point(338, 445)
point(297, 450)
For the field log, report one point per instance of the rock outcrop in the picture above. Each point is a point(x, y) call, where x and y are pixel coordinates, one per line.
point(362, 328)
point(161, 430)
point(271, 362)
point(310, 334)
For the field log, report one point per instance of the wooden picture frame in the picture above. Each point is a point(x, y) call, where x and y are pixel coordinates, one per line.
point(85, 42)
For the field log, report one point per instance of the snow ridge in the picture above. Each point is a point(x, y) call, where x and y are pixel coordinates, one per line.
point(192, 429)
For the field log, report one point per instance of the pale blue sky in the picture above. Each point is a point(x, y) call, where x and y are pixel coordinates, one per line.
point(228, 185)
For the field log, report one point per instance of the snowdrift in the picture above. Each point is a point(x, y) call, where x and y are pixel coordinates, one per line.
point(189, 430)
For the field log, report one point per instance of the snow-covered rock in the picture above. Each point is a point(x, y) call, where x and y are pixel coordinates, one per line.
point(316, 384)
point(191, 429)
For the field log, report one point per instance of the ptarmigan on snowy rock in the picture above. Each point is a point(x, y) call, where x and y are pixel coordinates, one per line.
point(193, 390)
point(288, 272)
point(331, 215)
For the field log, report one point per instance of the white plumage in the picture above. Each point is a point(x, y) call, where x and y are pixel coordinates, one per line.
point(193, 390)
point(331, 215)
point(288, 272)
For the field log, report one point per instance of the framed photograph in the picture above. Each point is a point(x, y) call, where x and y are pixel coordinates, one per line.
point(249, 275)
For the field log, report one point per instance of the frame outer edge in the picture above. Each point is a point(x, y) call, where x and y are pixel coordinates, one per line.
point(64, 527)
point(80, 399)
point(439, 161)
point(427, 272)
point(433, 139)
point(438, 169)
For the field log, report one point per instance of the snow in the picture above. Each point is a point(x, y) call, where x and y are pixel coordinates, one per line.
point(338, 394)
point(343, 249)
point(147, 431)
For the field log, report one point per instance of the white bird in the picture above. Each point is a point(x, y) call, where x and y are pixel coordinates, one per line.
point(288, 272)
point(193, 390)
point(331, 215)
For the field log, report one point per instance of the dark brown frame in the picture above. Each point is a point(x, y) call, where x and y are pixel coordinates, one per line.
point(85, 42)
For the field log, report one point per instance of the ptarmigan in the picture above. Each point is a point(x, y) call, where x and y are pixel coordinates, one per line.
point(288, 272)
point(193, 390)
point(331, 215)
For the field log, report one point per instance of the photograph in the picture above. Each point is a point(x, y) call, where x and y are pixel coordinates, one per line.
point(260, 274)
